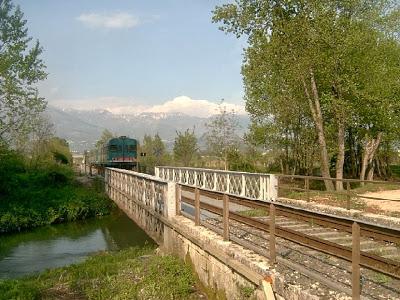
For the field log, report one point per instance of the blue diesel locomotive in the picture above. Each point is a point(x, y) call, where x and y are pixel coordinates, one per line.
point(118, 152)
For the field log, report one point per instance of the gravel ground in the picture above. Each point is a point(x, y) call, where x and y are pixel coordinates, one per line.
point(386, 205)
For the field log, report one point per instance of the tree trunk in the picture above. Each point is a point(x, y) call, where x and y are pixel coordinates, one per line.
point(369, 149)
point(315, 108)
point(353, 159)
point(371, 170)
point(340, 157)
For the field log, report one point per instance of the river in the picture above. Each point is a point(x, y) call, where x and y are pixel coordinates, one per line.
point(63, 244)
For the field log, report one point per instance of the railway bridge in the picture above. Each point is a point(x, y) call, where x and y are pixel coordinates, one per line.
point(244, 239)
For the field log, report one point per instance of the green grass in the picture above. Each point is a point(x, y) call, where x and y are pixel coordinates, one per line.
point(328, 198)
point(254, 213)
point(375, 187)
point(135, 273)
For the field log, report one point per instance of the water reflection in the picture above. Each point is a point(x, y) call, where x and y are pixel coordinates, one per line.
point(60, 245)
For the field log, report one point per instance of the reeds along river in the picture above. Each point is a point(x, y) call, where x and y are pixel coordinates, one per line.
point(60, 245)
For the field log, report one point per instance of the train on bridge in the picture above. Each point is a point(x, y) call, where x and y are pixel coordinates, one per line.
point(120, 152)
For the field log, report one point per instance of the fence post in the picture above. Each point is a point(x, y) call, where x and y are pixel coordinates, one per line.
point(195, 178)
point(355, 272)
point(348, 204)
point(272, 245)
point(215, 181)
point(225, 213)
point(196, 207)
point(180, 175)
point(157, 172)
point(178, 194)
point(307, 186)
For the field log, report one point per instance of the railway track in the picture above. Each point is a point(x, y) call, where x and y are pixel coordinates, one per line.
point(308, 236)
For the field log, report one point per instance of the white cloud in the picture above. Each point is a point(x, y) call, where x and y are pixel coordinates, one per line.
point(201, 108)
point(122, 105)
point(115, 20)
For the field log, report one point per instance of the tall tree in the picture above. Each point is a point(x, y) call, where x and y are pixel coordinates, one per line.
point(304, 60)
point(105, 137)
point(20, 69)
point(221, 134)
point(185, 147)
point(155, 153)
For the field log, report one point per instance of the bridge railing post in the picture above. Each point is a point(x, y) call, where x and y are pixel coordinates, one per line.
point(170, 200)
point(178, 195)
point(273, 187)
point(243, 183)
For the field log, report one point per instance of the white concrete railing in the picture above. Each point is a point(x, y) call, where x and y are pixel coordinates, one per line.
point(256, 186)
point(154, 193)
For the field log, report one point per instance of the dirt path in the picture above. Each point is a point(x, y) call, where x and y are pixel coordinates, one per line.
point(386, 205)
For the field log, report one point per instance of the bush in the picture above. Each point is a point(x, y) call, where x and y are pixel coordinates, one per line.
point(33, 197)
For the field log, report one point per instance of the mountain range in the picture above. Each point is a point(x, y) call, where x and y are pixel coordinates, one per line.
point(82, 128)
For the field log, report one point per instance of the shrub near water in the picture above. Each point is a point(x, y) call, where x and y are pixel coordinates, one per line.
point(46, 195)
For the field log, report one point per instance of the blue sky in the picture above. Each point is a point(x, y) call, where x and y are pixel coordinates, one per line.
point(134, 53)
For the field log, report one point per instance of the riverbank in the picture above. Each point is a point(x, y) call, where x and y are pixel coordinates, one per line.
point(48, 195)
point(134, 273)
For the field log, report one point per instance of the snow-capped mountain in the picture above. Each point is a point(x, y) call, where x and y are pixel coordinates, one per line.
point(82, 128)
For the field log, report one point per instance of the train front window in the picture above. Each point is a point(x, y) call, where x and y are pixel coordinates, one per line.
point(131, 148)
point(113, 148)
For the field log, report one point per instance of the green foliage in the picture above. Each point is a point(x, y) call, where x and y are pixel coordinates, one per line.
point(247, 291)
point(221, 134)
point(47, 194)
point(20, 69)
point(395, 170)
point(155, 151)
point(105, 137)
point(135, 273)
point(60, 150)
point(185, 148)
point(318, 74)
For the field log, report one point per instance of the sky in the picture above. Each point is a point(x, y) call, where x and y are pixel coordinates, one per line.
point(132, 56)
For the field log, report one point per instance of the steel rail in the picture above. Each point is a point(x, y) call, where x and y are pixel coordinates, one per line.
point(374, 231)
point(367, 260)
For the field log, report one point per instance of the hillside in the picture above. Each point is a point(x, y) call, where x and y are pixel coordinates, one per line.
point(81, 128)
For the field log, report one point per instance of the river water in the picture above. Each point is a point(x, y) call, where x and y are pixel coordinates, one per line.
point(59, 245)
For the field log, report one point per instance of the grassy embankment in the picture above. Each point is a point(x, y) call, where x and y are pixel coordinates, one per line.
point(46, 194)
point(135, 273)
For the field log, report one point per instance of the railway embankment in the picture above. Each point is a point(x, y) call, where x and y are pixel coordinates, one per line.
point(375, 218)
